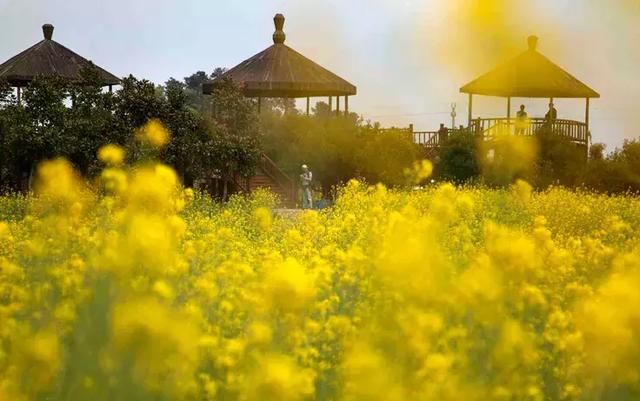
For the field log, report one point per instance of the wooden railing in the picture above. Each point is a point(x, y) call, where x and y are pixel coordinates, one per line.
point(288, 185)
point(433, 139)
point(429, 139)
point(242, 183)
point(270, 169)
point(490, 128)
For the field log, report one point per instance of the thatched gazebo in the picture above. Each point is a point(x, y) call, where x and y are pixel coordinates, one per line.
point(47, 58)
point(531, 75)
point(281, 72)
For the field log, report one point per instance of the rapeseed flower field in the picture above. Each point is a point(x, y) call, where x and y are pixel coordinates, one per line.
point(134, 288)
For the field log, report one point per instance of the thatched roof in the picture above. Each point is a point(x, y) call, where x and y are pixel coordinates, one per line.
point(48, 57)
point(280, 71)
point(529, 75)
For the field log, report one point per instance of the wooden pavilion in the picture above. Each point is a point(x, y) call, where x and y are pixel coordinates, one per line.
point(281, 72)
point(531, 75)
point(47, 58)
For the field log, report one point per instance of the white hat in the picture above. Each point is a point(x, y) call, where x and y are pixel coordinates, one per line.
point(304, 166)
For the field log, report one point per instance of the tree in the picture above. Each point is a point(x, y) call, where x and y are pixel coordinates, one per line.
point(596, 152)
point(59, 118)
point(226, 142)
point(136, 103)
point(9, 166)
point(236, 133)
point(218, 72)
point(190, 136)
point(56, 118)
point(279, 106)
point(173, 83)
point(195, 81)
point(338, 149)
point(616, 173)
point(193, 87)
point(385, 156)
point(37, 127)
point(560, 161)
point(89, 122)
point(458, 160)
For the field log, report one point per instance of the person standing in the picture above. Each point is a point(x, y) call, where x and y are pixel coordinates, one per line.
point(306, 179)
point(521, 121)
point(552, 114)
point(443, 134)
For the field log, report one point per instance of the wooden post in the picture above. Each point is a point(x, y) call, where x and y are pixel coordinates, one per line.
point(308, 103)
point(508, 114)
point(330, 103)
point(587, 133)
point(470, 108)
point(586, 116)
point(337, 106)
point(19, 95)
point(346, 105)
point(110, 88)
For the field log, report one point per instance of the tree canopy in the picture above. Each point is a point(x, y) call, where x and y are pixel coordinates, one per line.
point(57, 118)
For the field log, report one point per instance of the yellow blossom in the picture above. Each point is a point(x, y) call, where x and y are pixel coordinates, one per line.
point(154, 133)
point(112, 155)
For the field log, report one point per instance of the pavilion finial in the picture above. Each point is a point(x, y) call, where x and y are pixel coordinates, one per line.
point(533, 42)
point(279, 36)
point(47, 30)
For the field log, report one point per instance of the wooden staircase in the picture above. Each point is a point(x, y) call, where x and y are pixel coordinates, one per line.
point(269, 176)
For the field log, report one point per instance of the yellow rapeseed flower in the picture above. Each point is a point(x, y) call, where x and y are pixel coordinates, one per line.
point(289, 287)
point(159, 343)
point(58, 185)
point(278, 378)
point(111, 155)
point(445, 293)
point(154, 133)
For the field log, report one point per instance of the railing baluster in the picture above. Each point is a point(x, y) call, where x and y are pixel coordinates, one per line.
point(488, 127)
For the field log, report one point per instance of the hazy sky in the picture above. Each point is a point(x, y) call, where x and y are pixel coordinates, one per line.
point(408, 58)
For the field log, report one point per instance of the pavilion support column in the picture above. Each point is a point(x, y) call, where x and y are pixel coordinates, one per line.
point(470, 108)
point(19, 93)
point(259, 105)
point(346, 105)
point(586, 115)
point(308, 105)
point(337, 106)
point(330, 103)
point(509, 114)
point(110, 88)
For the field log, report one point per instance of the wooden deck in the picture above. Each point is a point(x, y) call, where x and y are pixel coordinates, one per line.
point(491, 128)
point(574, 131)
